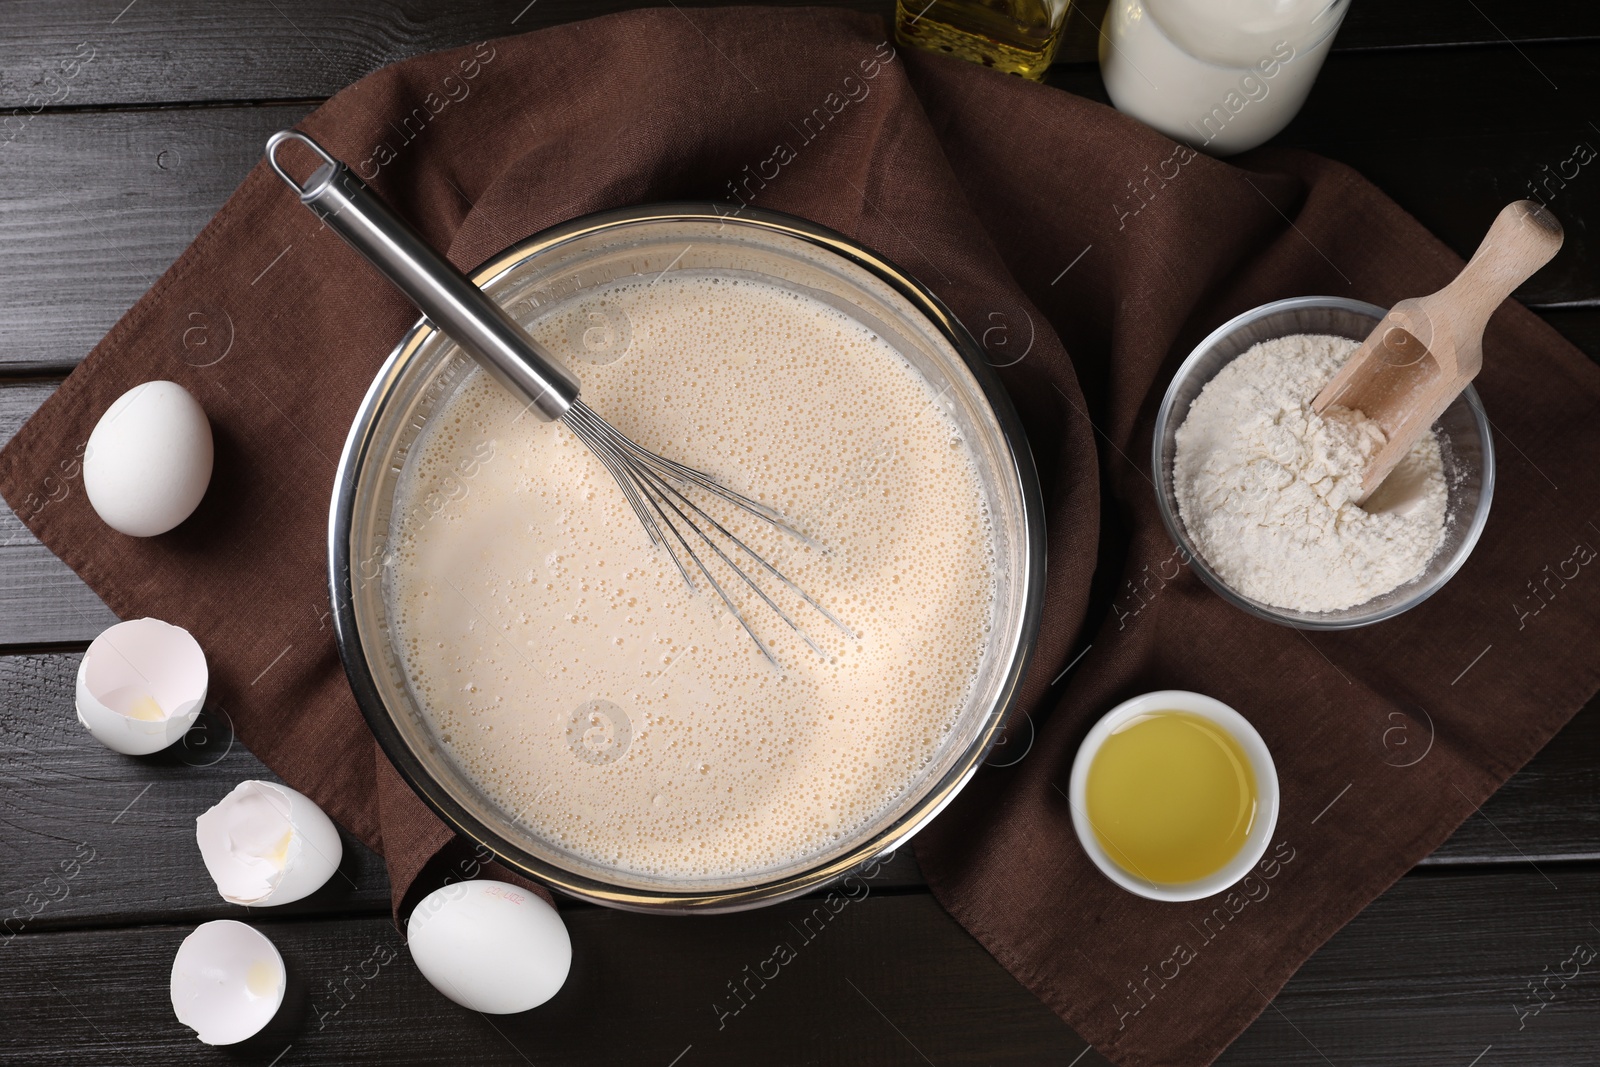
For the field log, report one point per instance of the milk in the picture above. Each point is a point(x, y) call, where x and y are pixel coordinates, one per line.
point(1222, 78)
point(566, 668)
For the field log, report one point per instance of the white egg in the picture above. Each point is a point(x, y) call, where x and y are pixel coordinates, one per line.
point(266, 844)
point(227, 982)
point(149, 459)
point(490, 946)
point(141, 685)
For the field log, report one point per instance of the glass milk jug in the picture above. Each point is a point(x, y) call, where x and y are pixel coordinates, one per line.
point(1220, 75)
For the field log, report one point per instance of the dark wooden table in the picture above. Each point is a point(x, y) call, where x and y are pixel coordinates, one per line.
point(125, 125)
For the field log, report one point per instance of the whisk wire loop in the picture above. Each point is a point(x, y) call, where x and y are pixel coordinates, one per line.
point(655, 483)
point(655, 489)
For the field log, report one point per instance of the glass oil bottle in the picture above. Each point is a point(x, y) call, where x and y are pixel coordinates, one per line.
point(1013, 36)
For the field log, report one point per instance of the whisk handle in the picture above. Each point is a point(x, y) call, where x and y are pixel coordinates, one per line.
point(446, 296)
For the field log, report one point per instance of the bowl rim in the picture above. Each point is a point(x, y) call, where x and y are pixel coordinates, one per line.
point(1284, 616)
point(1268, 793)
point(935, 796)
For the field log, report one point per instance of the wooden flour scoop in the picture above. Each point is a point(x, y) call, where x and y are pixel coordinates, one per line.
point(1427, 349)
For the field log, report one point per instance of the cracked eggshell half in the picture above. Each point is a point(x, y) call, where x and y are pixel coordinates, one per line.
point(141, 685)
point(149, 459)
point(266, 844)
point(227, 982)
point(490, 946)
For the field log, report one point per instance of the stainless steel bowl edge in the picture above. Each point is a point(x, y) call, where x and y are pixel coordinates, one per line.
point(933, 800)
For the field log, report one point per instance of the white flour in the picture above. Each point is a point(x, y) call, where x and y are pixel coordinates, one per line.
point(1266, 486)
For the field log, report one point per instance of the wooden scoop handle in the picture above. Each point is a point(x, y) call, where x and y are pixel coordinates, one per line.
point(1426, 350)
point(1524, 237)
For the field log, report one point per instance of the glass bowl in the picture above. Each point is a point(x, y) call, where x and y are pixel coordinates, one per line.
point(1464, 438)
point(558, 271)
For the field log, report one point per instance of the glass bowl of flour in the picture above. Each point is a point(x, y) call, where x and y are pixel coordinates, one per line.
point(543, 678)
point(1257, 490)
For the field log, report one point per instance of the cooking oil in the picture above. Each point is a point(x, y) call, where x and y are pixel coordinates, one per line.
point(1171, 797)
point(1013, 36)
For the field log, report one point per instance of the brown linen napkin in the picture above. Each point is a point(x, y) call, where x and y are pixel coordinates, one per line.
point(1385, 738)
point(1035, 215)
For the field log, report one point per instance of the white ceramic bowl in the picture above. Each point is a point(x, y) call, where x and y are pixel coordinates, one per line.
point(1266, 774)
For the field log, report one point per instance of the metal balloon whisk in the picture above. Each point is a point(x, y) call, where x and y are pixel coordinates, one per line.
point(660, 491)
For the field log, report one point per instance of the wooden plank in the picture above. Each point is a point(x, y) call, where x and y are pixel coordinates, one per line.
point(66, 796)
point(1369, 27)
point(18, 401)
point(44, 603)
point(75, 255)
point(1437, 971)
point(190, 50)
point(883, 980)
point(41, 601)
point(1454, 149)
point(1548, 811)
point(1433, 974)
point(77, 54)
point(146, 869)
point(1443, 23)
